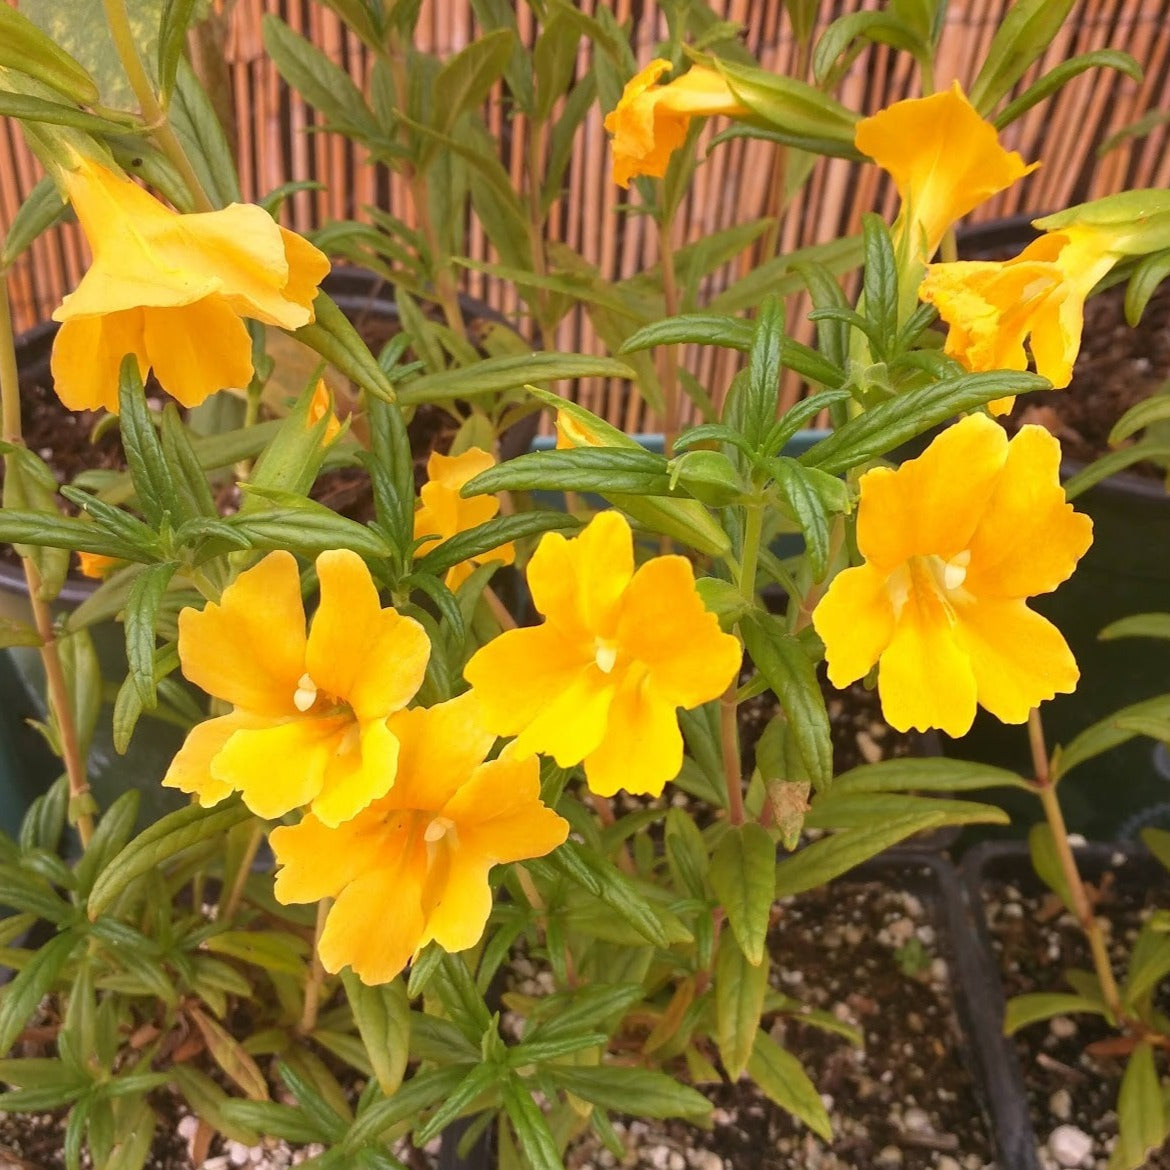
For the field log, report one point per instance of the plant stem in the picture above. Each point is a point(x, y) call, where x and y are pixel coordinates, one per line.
point(753, 528)
point(58, 690)
point(729, 744)
point(537, 139)
point(155, 116)
point(316, 974)
point(669, 363)
point(1081, 907)
point(229, 905)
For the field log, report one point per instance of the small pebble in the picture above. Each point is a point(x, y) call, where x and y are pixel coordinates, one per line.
point(706, 1160)
point(889, 1156)
point(238, 1154)
point(946, 1162)
point(1060, 1105)
point(1062, 1027)
point(916, 1120)
point(1069, 1146)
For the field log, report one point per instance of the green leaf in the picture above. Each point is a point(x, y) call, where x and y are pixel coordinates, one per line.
point(475, 1084)
point(36, 109)
point(382, 1015)
point(686, 853)
point(612, 469)
point(540, 1148)
point(466, 78)
point(267, 1117)
point(1046, 862)
point(486, 537)
point(1150, 410)
point(391, 471)
point(191, 485)
point(41, 209)
point(25, 48)
point(1056, 79)
point(1143, 1121)
point(837, 42)
point(415, 1095)
point(209, 1102)
point(1143, 283)
point(890, 424)
point(275, 951)
point(593, 1005)
point(742, 875)
point(229, 1054)
point(781, 660)
point(308, 528)
point(39, 528)
point(812, 495)
point(636, 1091)
point(1023, 35)
point(740, 987)
point(172, 38)
point(852, 810)
point(493, 375)
point(1023, 1010)
point(1149, 964)
point(113, 830)
point(933, 774)
point(881, 283)
point(817, 864)
point(1140, 625)
point(152, 475)
point(128, 703)
point(25, 992)
point(141, 614)
point(334, 337)
point(158, 843)
point(324, 85)
point(1108, 733)
point(762, 389)
point(1115, 461)
point(779, 1074)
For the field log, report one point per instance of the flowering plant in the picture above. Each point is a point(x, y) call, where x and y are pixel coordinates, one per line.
point(448, 779)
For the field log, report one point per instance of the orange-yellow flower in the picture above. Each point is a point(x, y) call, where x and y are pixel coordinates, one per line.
point(413, 866)
point(650, 121)
point(444, 512)
point(944, 159)
point(96, 566)
point(954, 543)
point(620, 651)
point(992, 306)
point(171, 289)
point(309, 719)
point(321, 406)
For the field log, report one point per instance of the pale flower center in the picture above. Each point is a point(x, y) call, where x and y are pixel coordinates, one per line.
point(438, 829)
point(605, 654)
point(306, 693)
point(944, 578)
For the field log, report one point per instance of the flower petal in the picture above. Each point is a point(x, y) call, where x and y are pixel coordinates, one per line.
point(572, 722)
point(456, 899)
point(664, 625)
point(357, 773)
point(372, 658)
point(1029, 539)
point(190, 770)
point(515, 674)
point(377, 922)
point(855, 620)
point(927, 507)
point(925, 679)
point(441, 746)
point(1019, 658)
point(249, 649)
point(307, 267)
point(577, 584)
point(187, 367)
point(87, 358)
point(498, 814)
point(279, 768)
point(643, 747)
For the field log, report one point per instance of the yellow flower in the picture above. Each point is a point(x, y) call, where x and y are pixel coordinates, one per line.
point(954, 542)
point(944, 159)
point(96, 565)
point(413, 866)
point(650, 121)
point(573, 433)
point(620, 651)
point(992, 306)
point(309, 724)
point(320, 406)
point(171, 289)
point(444, 512)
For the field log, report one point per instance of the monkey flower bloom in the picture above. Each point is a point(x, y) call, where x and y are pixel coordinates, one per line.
point(650, 121)
point(954, 542)
point(321, 406)
point(444, 512)
point(309, 724)
point(944, 159)
point(171, 289)
point(619, 652)
point(413, 865)
point(992, 306)
point(96, 566)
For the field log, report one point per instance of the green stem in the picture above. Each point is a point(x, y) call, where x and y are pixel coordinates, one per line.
point(316, 974)
point(729, 747)
point(1045, 788)
point(229, 905)
point(669, 373)
point(55, 684)
point(123, 36)
point(753, 529)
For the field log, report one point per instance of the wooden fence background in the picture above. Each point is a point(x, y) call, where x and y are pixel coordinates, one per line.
point(732, 186)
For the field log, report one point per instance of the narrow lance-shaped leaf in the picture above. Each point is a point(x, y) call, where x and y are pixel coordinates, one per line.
point(742, 874)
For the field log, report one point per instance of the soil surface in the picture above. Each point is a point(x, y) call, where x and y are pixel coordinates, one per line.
point(1068, 1082)
point(876, 958)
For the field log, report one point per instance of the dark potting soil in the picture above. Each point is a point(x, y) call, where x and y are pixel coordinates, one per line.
point(1071, 1078)
point(869, 955)
point(1118, 367)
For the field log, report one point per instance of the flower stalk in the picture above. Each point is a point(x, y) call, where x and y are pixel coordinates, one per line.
point(1045, 788)
point(58, 689)
point(316, 977)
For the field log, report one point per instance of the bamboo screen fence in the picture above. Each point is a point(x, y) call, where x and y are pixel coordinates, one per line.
point(734, 185)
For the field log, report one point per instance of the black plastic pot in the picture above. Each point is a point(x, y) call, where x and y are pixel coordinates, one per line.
point(934, 881)
point(1009, 862)
point(1125, 572)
